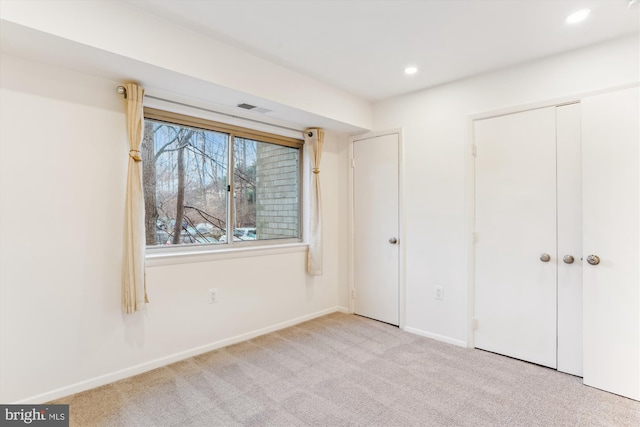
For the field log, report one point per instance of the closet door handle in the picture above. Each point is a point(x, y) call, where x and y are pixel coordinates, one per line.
point(593, 259)
point(545, 257)
point(568, 259)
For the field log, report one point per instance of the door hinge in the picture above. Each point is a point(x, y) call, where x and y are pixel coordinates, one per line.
point(474, 150)
point(474, 324)
point(474, 236)
point(229, 188)
point(353, 163)
point(353, 294)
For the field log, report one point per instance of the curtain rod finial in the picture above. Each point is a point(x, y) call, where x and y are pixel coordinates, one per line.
point(122, 90)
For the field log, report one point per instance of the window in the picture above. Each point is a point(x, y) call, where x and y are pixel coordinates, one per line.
point(191, 197)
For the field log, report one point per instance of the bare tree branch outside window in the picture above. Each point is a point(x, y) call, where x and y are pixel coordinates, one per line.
point(186, 186)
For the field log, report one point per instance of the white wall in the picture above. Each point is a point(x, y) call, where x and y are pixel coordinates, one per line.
point(63, 157)
point(437, 166)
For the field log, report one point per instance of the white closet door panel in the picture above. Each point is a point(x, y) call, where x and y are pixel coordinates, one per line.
point(516, 223)
point(569, 239)
point(611, 215)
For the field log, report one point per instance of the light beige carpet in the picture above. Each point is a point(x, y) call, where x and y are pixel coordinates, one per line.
point(345, 370)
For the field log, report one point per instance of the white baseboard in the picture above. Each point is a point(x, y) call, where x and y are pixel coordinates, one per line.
point(436, 337)
point(163, 361)
point(343, 310)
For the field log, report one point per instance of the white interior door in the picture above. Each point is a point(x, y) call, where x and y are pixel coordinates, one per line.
point(515, 294)
point(610, 140)
point(569, 239)
point(376, 206)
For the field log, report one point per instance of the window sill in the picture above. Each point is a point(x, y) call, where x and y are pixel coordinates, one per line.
point(156, 259)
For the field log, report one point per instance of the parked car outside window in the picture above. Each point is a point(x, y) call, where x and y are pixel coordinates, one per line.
point(241, 234)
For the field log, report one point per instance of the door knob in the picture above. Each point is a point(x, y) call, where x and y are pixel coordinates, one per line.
point(393, 240)
point(568, 259)
point(545, 257)
point(593, 259)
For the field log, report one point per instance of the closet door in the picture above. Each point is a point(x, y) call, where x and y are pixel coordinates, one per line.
point(569, 239)
point(516, 262)
point(611, 187)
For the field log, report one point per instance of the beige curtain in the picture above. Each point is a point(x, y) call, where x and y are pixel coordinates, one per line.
point(313, 139)
point(134, 289)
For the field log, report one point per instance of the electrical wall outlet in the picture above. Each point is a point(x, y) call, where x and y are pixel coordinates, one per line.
point(213, 295)
point(439, 294)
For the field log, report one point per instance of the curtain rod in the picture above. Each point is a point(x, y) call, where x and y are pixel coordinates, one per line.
point(123, 91)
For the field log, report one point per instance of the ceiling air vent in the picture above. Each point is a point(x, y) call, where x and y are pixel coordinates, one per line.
point(253, 108)
point(246, 106)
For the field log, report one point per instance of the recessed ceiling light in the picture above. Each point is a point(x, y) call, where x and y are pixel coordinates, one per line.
point(411, 70)
point(578, 16)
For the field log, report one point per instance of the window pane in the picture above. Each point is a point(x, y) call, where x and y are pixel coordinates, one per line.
point(244, 186)
point(185, 184)
point(186, 178)
point(267, 190)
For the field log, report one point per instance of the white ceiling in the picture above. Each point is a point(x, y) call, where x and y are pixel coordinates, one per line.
point(363, 46)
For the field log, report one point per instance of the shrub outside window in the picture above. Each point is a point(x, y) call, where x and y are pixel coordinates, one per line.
point(191, 197)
